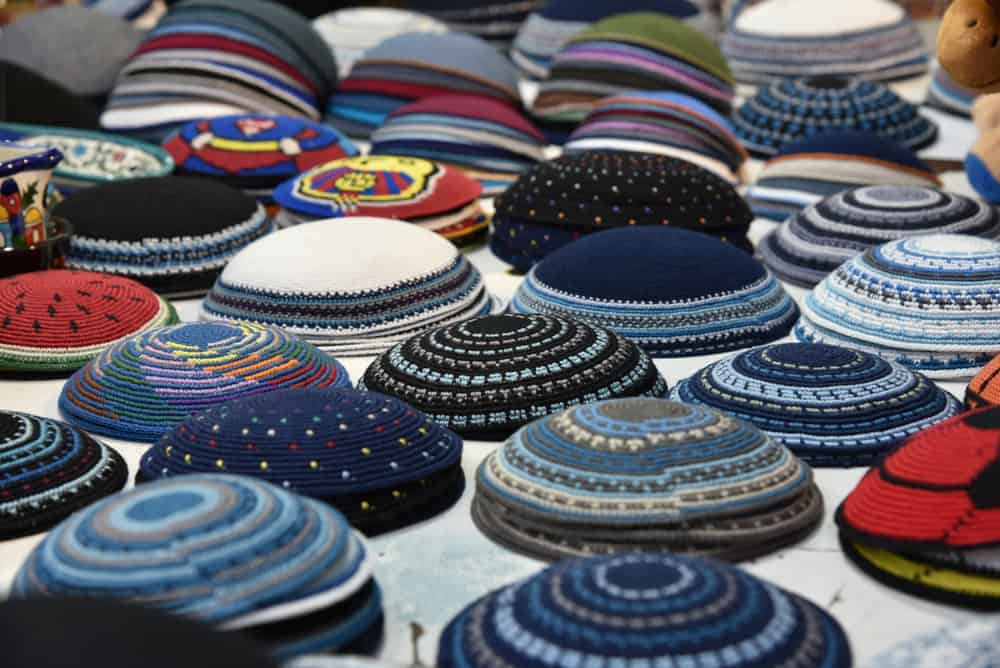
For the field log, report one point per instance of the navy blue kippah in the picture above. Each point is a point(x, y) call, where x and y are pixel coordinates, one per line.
point(594, 10)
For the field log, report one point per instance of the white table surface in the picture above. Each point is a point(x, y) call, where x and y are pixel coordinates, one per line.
point(430, 571)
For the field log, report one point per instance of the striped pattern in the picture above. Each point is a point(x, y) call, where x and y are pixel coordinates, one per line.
point(142, 387)
point(946, 94)
point(494, 21)
point(931, 303)
point(831, 406)
point(400, 280)
point(647, 475)
point(229, 551)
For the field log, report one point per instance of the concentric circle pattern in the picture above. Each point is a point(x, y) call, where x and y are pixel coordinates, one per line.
point(373, 457)
point(143, 386)
point(832, 406)
point(817, 240)
point(486, 377)
point(58, 320)
point(643, 610)
point(48, 470)
point(644, 474)
point(790, 109)
point(227, 550)
point(931, 303)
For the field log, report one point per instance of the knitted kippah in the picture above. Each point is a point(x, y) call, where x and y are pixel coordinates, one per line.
point(386, 281)
point(633, 51)
point(49, 470)
point(820, 238)
point(31, 98)
point(574, 195)
point(870, 39)
point(494, 20)
point(230, 551)
point(644, 475)
point(487, 140)
point(142, 387)
point(675, 293)
point(486, 377)
point(172, 233)
point(984, 389)
point(411, 66)
point(643, 610)
point(931, 303)
point(377, 460)
point(791, 109)
point(927, 518)
point(438, 198)
point(58, 320)
point(832, 406)
point(948, 95)
point(62, 632)
point(90, 158)
point(965, 644)
point(806, 171)
point(255, 152)
point(664, 123)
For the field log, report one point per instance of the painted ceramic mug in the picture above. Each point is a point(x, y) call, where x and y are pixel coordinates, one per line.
point(25, 172)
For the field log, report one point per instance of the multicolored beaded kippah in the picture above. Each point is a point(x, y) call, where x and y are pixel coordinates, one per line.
point(49, 470)
point(59, 320)
point(644, 475)
point(831, 406)
point(486, 377)
point(643, 610)
point(229, 551)
point(927, 518)
point(380, 462)
point(140, 388)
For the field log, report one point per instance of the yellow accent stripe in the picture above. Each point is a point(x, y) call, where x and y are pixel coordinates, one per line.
point(244, 146)
point(946, 579)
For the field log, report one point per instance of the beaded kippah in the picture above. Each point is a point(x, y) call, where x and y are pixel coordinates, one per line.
point(58, 320)
point(927, 518)
point(675, 293)
point(931, 303)
point(486, 377)
point(388, 280)
point(644, 475)
point(791, 109)
point(230, 551)
point(143, 386)
point(48, 470)
point(643, 610)
point(377, 460)
point(818, 239)
point(831, 406)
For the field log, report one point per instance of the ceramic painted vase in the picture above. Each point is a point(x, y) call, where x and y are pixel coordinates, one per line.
point(25, 172)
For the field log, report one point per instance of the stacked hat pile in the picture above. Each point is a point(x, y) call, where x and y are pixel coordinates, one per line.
point(931, 303)
point(546, 31)
point(253, 152)
point(815, 241)
point(675, 293)
point(352, 31)
point(58, 320)
point(385, 282)
point(793, 109)
point(229, 551)
point(140, 388)
point(412, 66)
point(210, 58)
point(806, 171)
point(924, 520)
point(427, 194)
point(644, 475)
point(664, 123)
point(377, 460)
point(948, 95)
point(869, 39)
point(486, 377)
point(190, 229)
point(643, 610)
point(831, 406)
point(592, 191)
point(494, 20)
point(488, 140)
point(637, 51)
